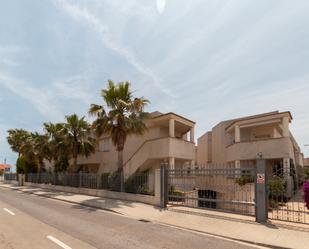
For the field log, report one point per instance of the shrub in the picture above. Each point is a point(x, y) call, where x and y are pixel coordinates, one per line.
point(25, 166)
point(61, 164)
point(243, 180)
point(137, 183)
point(277, 190)
point(306, 173)
point(177, 195)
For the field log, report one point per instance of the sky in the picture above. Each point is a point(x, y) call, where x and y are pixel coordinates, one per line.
point(207, 60)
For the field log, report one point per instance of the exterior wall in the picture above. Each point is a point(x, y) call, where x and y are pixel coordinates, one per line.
point(204, 149)
point(270, 149)
point(306, 162)
point(219, 142)
point(152, 200)
point(142, 150)
point(240, 140)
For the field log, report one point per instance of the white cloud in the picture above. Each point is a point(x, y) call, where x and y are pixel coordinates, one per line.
point(73, 87)
point(161, 4)
point(40, 99)
point(84, 15)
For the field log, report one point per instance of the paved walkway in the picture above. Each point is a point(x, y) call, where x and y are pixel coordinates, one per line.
point(210, 222)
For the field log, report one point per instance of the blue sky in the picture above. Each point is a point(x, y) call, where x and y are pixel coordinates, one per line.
point(208, 60)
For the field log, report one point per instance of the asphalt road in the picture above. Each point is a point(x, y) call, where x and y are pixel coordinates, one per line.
point(29, 221)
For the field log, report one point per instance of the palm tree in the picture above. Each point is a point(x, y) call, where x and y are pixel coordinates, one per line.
point(41, 148)
point(125, 115)
point(17, 139)
point(78, 139)
point(56, 140)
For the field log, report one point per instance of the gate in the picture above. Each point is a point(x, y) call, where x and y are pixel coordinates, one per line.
point(286, 195)
point(225, 188)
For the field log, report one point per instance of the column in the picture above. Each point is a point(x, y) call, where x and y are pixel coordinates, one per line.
point(237, 134)
point(237, 164)
point(192, 135)
point(172, 128)
point(285, 127)
point(286, 166)
point(185, 137)
point(192, 164)
point(171, 163)
point(287, 176)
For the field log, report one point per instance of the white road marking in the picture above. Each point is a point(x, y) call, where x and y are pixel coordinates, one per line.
point(9, 211)
point(58, 242)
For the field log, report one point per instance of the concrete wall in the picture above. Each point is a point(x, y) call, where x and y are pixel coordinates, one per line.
point(204, 149)
point(140, 148)
point(148, 199)
point(152, 200)
point(162, 148)
point(270, 148)
point(219, 142)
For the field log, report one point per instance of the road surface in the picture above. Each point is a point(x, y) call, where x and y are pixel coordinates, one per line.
point(29, 221)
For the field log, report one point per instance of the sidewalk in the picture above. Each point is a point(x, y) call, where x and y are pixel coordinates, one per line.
point(215, 223)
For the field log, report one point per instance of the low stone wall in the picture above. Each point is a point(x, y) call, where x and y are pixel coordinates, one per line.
point(148, 199)
point(13, 182)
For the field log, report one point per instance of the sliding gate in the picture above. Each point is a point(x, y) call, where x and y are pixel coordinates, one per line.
point(226, 189)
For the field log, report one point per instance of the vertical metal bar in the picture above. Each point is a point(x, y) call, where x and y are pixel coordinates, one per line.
point(163, 186)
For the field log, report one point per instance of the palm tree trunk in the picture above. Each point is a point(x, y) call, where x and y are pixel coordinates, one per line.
point(74, 163)
point(120, 169)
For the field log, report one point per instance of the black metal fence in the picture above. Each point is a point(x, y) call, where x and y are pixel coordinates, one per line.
point(138, 183)
point(10, 177)
point(228, 189)
point(287, 196)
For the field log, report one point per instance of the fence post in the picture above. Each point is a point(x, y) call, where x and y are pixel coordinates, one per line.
point(163, 185)
point(261, 192)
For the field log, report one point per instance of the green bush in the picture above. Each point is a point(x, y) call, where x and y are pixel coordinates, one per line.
point(61, 164)
point(105, 180)
point(277, 192)
point(177, 195)
point(137, 183)
point(306, 174)
point(243, 180)
point(25, 166)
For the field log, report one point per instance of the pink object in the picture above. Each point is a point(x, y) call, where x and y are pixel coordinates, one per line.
point(306, 193)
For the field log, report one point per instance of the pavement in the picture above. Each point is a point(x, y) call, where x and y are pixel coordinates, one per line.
point(218, 226)
point(30, 221)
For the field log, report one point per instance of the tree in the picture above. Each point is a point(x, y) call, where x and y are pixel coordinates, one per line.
point(78, 139)
point(41, 149)
point(22, 142)
point(124, 116)
point(58, 148)
point(17, 139)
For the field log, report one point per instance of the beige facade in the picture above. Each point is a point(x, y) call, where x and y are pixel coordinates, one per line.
point(169, 138)
point(240, 141)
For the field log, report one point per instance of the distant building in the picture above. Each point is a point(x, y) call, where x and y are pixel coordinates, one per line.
point(239, 141)
point(5, 168)
point(306, 162)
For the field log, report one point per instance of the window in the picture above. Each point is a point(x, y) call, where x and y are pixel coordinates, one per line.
point(105, 144)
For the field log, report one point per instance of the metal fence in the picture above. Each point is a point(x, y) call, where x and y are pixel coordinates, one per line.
point(138, 183)
point(227, 189)
point(287, 196)
point(10, 177)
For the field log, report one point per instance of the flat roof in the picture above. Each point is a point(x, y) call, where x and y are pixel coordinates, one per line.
point(172, 113)
point(257, 116)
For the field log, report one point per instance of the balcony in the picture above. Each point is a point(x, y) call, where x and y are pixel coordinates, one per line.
point(271, 148)
point(160, 148)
